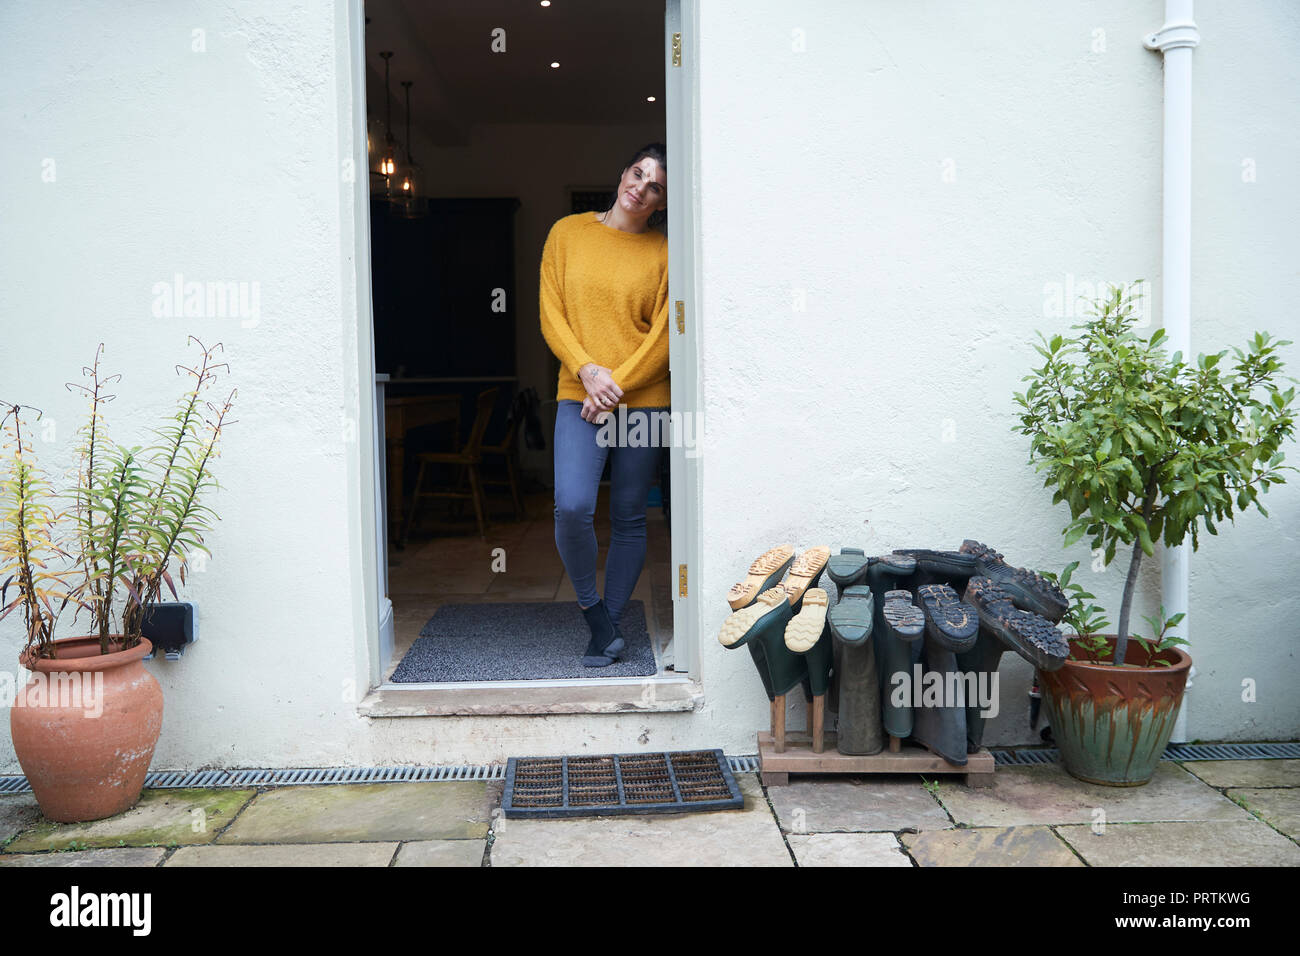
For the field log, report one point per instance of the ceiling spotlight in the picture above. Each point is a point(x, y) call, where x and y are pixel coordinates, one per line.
point(649, 99)
point(546, 3)
point(555, 65)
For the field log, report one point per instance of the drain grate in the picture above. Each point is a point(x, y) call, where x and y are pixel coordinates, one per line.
point(1231, 751)
point(279, 777)
point(1270, 751)
point(747, 764)
point(612, 784)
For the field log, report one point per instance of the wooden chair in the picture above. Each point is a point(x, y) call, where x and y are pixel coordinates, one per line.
point(469, 457)
point(506, 449)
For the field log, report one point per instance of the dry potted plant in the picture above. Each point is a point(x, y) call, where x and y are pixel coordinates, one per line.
point(1141, 446)
point(106, 546)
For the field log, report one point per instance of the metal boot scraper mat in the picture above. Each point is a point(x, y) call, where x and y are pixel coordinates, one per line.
point(613, 784)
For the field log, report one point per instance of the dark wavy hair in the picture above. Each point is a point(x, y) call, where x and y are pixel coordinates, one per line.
point(659, 153)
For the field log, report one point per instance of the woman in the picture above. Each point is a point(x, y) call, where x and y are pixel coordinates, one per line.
point(604, 313)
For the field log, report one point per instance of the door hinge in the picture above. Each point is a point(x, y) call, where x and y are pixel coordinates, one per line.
point(677, 49)
point(681, 580)
point(681, 317)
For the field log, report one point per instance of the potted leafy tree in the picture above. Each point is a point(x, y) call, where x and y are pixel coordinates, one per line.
point(85, 726)
point(1142, 446)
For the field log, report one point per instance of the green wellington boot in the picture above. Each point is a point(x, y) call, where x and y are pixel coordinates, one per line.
point(739, 629)
point(780, 670)
point(851, 622)
point(894, 652)
point(805, 573)
point(808, 635)
point(951, 627)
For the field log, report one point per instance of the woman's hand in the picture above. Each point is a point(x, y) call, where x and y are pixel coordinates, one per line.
point(591, 412)
point(600, 385)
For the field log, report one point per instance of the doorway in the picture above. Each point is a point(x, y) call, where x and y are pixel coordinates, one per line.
point(497, 150)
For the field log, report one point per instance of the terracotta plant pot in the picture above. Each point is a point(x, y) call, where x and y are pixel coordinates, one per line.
point(1112, 723)
point(85, 728)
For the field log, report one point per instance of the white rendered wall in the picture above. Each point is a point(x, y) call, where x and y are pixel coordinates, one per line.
point(915, 179)
point(821, 171)
point(1245, 277)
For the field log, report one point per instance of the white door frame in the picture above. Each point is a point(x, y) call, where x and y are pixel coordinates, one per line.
point(373, 612)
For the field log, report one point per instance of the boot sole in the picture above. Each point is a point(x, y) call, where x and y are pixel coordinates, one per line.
point(954, 625)
point(848, 568)
point(805, 628)
point(765, 572)
point(739, 623)
point(805, 570)
point(1028, 589)
point(1032, 636)
point(856, 611)
point(906, 621)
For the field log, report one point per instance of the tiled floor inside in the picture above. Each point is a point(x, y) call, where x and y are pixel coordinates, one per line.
point(446, 562)
point(1200, 813)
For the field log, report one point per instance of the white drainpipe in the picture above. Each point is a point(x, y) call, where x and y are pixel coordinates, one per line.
point(1175, 41)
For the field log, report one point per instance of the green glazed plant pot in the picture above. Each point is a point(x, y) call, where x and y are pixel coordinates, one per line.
point(1111, 724)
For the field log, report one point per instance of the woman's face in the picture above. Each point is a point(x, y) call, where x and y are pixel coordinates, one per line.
point(643, 189)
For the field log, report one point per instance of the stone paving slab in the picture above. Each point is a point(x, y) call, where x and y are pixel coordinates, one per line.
point(162, 817)
point(441, 853)
point(1001, 846)
point(847, 849)
point(125, 856)
point(748, 837)
point(1246, 773)
point(1235, 843)
point(855, 805)
point(1023, 796)
point(17, 812)
point(1280, 807)
point(365, 813)
point(296, 854)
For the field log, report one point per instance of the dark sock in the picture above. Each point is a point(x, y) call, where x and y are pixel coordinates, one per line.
point(602, 629)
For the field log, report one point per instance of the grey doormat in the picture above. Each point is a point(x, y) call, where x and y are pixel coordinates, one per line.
point(518, 641)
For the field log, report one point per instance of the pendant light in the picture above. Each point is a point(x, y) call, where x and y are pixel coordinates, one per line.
point(387, 160)
point(407, 180)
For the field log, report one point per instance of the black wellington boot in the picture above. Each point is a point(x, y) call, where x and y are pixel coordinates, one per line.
point(952, 568)
point(1027, 589)
point(951, 627)
point(1032, 636)
point(606, 643)
point(1004, 626)
point(899, 648)
point(984, 658)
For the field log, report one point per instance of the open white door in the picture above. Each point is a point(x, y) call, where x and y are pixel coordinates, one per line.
point(680, 88)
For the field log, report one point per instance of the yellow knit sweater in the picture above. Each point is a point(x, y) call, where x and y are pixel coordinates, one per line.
point(604, 299)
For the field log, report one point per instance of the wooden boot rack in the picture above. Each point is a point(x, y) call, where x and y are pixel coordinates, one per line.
point(781, 754)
